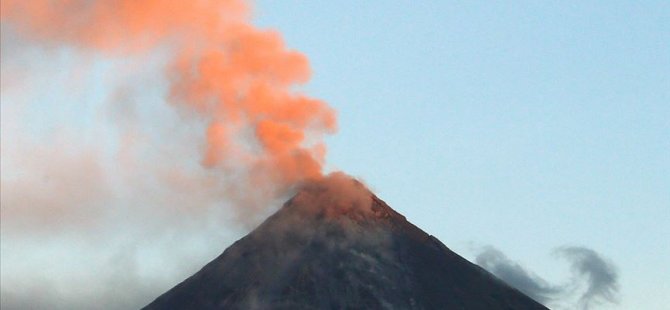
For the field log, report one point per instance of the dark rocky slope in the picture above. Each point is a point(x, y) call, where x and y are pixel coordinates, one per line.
point(340, 255)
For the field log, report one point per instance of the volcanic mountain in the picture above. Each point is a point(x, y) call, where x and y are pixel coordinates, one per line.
point(335, 245)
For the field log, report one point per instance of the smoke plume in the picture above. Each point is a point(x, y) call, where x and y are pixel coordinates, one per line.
point(75, 196)
point(239, 79)
point(593, 276)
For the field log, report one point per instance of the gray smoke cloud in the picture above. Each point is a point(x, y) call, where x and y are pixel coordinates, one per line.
point(601, 276)
point(514, 274)
point(594, 279)
point(121, 287)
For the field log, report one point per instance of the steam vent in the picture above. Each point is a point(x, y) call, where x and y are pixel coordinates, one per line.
point(334, 247)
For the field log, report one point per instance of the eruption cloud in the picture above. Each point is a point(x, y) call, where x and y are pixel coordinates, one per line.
point(78, 191)
point(239, 79)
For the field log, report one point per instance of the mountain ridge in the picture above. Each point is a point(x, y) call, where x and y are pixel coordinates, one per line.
point(328, 251)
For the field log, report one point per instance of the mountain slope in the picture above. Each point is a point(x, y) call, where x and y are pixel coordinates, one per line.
point(329, 248)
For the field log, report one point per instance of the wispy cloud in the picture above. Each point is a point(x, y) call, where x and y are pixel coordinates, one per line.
point(594, 277)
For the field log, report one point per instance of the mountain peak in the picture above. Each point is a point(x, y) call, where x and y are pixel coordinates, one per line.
point(336, 245)
point(333, 196)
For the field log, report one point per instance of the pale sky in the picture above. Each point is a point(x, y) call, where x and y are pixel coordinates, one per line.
point(524, 126)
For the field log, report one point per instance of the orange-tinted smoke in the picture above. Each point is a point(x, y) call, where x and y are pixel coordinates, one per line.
point(238, 77)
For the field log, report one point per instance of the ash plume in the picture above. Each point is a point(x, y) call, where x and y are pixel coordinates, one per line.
point(137, 170)
point(234, 77)
point(592, 275)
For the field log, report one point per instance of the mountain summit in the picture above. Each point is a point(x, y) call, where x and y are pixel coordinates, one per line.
point(335, 245)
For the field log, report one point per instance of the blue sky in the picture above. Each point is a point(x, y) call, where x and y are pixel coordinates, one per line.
point(526, 126)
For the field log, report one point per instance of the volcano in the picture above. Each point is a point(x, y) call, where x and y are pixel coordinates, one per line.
point(335, 245)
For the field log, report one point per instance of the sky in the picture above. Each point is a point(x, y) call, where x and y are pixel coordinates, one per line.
point(526, 126)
